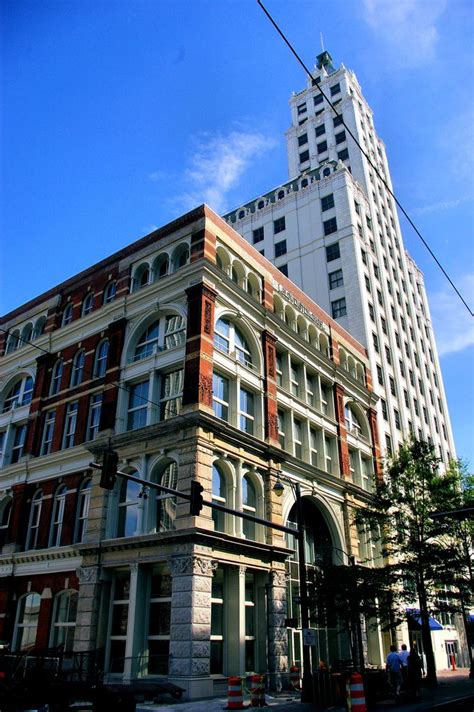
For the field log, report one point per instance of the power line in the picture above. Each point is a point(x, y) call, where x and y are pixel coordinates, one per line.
point(373, 165)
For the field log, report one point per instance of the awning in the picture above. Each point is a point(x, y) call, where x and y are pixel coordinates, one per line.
point(414, 614)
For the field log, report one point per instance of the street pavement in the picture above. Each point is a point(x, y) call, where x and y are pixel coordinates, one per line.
point(455, 693)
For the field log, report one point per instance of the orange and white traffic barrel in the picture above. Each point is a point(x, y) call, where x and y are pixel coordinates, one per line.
point(235, 694)
point(357, 693)
point(295, 676)
point(257, 691)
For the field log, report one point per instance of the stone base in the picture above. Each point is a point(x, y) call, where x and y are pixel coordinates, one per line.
point(194, 687)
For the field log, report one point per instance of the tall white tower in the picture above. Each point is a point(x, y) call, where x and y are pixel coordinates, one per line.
point(333, 229)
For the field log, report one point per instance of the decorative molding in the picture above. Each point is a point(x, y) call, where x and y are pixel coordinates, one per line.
point(278, 578)
point(205, 389)
point(89, 574)
point(186, 565)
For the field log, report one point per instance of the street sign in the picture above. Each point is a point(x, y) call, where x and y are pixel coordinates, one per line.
point(309, 636)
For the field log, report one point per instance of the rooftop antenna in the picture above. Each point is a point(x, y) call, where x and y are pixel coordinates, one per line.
point(322, 41)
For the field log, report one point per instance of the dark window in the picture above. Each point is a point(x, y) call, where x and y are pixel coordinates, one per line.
point(364, 256)
point(280, 248)
point(318, 99)
point(337, 121)
point(302, 139)
point(279, 225)
point(388, 354)
point(371, 311)
point(332, 252)
point(335, 89)
point(376, 342)
point(339, 308)
point(392, 386)
point(304, 156)
point(330, 226)
point(257, 235)
point(336, 279)
point(367, 283)
point(284, 269)
point(301, 109)
point(262, 252)
point(327, 202)
point(343, 155)
point(379, 375)
point(340, 137)
point(322, 147)
point(384, 409)
point(320, 130)
point(397, 419)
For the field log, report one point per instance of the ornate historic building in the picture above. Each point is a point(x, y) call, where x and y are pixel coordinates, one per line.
point(193, 357)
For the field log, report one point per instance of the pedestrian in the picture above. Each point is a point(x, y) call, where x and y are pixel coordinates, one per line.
point(394, 669)
point(404, 658)
point(414, 669)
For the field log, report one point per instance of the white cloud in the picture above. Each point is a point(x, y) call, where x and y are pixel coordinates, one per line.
point(453, 326)
point(217, 164)
point(407, 28)
point(441, 206)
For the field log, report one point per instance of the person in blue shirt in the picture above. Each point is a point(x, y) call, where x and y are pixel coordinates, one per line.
point(394, 669)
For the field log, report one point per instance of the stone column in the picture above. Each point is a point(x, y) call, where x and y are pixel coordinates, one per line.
point(88, 605)
point(191, 624)
point(277, 632)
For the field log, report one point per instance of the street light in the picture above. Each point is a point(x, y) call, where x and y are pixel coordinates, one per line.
point(307, 679)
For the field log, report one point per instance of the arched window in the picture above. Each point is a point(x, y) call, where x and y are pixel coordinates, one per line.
point(26, 334)
point(19, 394)
point(5, 511)
point(67, 315)
point(180, 256)
point(100, 363)
point(83, 510)
point(110, 292)
point(148, 342)
point(128, 509)
point(229, 339)
point(249, 505)
point(26, 625)
point(165, 503)
point(56, 376)
point(77, 372)
point(88, 304)
point(39, 327)
point(58, 516)
point(161, 266)
point(352, 422)
point(34, 521)
point(64, 620)
point(12, 343)
point(141, 278)
point(219, 495)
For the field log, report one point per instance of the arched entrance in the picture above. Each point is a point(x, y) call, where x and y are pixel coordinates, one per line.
point(332, 642)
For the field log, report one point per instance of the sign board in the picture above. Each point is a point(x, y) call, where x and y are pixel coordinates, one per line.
point(309, 636)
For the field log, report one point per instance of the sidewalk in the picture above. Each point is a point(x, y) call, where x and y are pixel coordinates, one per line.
point(452, 686)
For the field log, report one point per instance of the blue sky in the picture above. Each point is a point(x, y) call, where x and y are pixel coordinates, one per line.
point(118, 116)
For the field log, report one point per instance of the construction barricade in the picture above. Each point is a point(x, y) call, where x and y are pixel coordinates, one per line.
point(235, 694)
point(257, 691)
point(295, 677)
point(356, 698)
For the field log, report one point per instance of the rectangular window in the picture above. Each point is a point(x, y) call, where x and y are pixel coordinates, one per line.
point(137, 405)
point(397, 419)
point(159, 622)
point(257, 235)
point(303, 139)
point(338, 308)
point(280, 248)
point(392, 386)
point(383, 405)
point(301, 109)
point(119, 619)
point(279, 225)
point(327, 202)
point(388, 445)
point(340, 137)
point(388, 355)
point(313, 446)
point(217, 623)
point(364, 256)
point(384, 325)
point(335, 89)
point(337, 121)
point(311, 389)
point(336, 279)
point(220, 396)
point(281, 428)
point(295, 379)
point(332, 252)
point(343, 155)
point(298, 438)
point(322, 147)
point(379, 375)
point(70, 424)
point(171, 394)
point(284, 269)
point(246, 411)
point(304, 156)
point(279, 369)
point(320, 130)
point(18, 443)
point(328, 451)
point(175, 332)
point(330, 226)
point(375, 340)
point(407, 398)
point(367, 283)
point(318, 99)
point(371, 311)
point(48, 430)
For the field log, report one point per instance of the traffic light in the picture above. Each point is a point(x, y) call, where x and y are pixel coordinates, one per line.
point(196, 502)
point(109, 469)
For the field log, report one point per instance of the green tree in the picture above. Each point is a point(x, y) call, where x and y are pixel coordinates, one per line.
point(416, 543)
